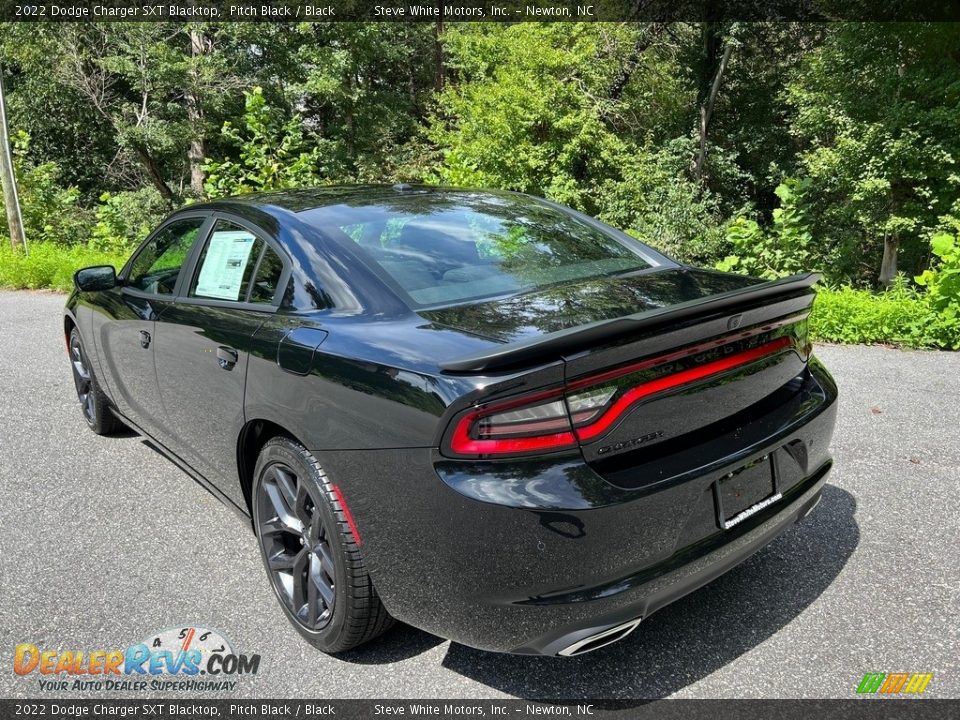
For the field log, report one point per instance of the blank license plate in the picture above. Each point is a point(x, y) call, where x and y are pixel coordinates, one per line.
point(744, 492)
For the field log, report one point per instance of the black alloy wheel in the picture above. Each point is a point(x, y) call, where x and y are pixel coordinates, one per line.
point(93, 403)
point(82, 379)
point(310, 552)
point(295, 546)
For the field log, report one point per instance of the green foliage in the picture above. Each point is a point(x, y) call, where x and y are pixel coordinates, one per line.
point(785, 250)
point(656, 202)
point(874, 115)
point(942, 281)
point(524, 115)
point(570, 112)
point(51, 212)
point(826, 142)
point(899, 316)
point(751, 123)
point(49, 265)
point(365, 88)
point(54, 214)
point(274, 153)
point(124, 219)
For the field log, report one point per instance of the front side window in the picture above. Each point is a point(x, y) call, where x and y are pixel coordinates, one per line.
point(157, 265)
point(227, 263)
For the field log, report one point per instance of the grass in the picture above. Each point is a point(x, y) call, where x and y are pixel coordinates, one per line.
point(900, 317)
point(50, 266)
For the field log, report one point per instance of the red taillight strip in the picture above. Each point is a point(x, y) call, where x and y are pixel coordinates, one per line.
point(684, 377)
point(686, 352)
point(461, 441)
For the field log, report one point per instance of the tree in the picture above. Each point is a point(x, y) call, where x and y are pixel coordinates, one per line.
point(551, 108)
point(159, 89)
point(875, 114)
point(365, 88)
point(717, 47)
point(274, 152)
point(597, 116)
point(200, 46)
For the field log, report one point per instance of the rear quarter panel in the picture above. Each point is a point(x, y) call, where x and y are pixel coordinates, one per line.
point(371, 383)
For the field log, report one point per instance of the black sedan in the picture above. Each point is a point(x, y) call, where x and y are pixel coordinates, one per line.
point(480, 413)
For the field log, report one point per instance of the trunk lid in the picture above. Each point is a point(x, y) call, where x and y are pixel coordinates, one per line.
point(642, 389)
point(683, 383)
point(678, 390)
point(560, 307)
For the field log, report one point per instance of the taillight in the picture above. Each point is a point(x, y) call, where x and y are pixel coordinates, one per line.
point(586, 405)
point(629, 394)
point(519, 426)
point(589, 407)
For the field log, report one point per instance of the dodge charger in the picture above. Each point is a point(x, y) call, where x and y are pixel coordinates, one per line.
point(480, 413)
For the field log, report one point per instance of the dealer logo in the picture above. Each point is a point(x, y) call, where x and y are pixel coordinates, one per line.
point(894, 683)
point(184, 658)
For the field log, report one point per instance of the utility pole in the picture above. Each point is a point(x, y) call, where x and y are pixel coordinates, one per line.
point(10, 199)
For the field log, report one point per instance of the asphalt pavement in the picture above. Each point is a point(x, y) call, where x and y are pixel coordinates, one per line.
point(103, 542)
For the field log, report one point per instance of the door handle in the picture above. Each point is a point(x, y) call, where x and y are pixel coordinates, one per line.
point(144, 339)
point(227, 357)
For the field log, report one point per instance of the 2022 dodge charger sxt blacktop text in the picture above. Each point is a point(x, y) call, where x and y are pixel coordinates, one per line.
point(480, 413)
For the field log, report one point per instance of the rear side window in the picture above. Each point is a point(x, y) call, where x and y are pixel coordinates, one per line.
point(268, 277)
point(158, 264)
point(227, 263)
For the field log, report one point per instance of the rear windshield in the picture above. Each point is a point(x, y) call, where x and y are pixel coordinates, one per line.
point(446, 249)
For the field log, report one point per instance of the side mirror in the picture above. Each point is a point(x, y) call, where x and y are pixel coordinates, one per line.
point(98, 277)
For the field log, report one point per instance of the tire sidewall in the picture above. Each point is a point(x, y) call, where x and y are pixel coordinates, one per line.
point(97, 405)
point(285, 451)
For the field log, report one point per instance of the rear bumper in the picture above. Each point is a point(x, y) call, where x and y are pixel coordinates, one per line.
point(639, 596)
point(535, 557)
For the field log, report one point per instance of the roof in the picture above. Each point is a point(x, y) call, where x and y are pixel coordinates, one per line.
point(304, 199)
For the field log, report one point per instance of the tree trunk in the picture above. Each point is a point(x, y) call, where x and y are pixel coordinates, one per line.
point(706, 111)
point(153, 172)
point(438, 54)
point(629, 67)
point(197, 154)
point(888, 266)
point(349, 138)
point(8, 179)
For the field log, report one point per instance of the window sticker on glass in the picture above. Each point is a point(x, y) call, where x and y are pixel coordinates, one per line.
point(227, 256)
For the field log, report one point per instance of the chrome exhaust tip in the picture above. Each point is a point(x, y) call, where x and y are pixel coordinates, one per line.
point(600, 639)
point(810, 508)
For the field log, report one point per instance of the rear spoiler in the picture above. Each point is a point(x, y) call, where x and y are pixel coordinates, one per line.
point(564, 341)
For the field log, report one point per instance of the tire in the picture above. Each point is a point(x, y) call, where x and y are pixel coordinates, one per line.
point(310, 554)
point(94, 404)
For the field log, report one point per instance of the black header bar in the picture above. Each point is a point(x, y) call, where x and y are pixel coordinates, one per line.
point(894, 708)
point(431, 11)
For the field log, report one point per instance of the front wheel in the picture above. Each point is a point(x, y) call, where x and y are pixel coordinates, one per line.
point(93, 402)
point(310, 554)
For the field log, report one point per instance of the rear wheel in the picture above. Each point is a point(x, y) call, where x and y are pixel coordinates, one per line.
point(310, 554)
point(93, 402)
